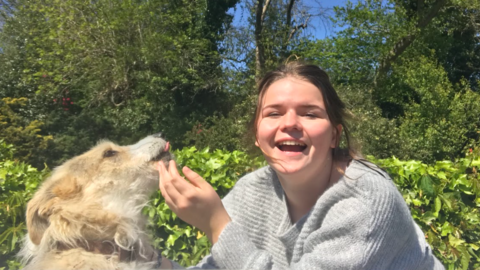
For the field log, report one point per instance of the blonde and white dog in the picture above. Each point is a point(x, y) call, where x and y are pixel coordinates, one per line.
point(87, 214)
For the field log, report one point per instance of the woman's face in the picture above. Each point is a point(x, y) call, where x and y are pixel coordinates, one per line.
point(294, 130)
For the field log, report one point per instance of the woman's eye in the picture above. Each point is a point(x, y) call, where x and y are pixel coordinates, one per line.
point(273, 114)
point(311, 115)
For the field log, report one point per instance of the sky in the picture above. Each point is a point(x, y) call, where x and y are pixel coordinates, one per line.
point(319, 28)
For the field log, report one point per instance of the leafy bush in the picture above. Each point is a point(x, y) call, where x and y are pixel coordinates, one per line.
point(178, 240)
point(444, 200)
point(16, 129)
point(18, 182)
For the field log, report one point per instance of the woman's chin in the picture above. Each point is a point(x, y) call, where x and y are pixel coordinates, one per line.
point(286, 168)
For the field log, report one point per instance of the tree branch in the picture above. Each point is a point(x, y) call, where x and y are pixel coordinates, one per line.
point(264, 10)
point(406, 41)
point(433, 12)
point(289, 12)
point(261, 9)
point(298, 27)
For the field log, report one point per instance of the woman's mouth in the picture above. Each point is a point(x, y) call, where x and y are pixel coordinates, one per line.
point(291, 146)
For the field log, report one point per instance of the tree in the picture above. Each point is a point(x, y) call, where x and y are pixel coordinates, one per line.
point(270, 32)
point(116, 69)
point(392, 52)
point(17, 130)
point(425, 12)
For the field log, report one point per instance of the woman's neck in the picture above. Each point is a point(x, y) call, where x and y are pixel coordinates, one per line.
point(302, 194)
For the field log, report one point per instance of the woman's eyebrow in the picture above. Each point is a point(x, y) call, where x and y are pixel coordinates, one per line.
point(274, 106)
point(310, 106)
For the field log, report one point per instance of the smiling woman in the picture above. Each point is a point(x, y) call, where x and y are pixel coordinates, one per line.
point(297, 137)
point(314, 206)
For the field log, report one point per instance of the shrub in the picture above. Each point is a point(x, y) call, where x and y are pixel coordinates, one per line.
point(18, 182)
point(444, 199)
point(178, 240)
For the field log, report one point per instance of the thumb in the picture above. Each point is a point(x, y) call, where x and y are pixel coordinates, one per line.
point(194, 178)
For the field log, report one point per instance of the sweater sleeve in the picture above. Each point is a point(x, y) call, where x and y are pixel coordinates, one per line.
point(208, 262)
point(366, 225)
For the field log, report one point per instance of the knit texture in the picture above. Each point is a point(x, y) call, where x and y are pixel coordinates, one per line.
point(361, 222)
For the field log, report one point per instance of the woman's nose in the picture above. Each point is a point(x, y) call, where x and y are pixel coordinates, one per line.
point(290, 121)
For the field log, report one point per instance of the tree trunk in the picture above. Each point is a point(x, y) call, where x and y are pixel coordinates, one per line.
point(406, 41)
point(260, 11)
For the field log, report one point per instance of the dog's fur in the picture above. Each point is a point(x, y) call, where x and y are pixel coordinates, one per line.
point(93, 202)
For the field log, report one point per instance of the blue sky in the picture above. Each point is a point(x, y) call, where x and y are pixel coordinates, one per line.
point(317, 27)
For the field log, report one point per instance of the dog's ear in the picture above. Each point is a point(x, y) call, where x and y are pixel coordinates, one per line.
point(47, 201)
point(37, 223)
point(67, 188)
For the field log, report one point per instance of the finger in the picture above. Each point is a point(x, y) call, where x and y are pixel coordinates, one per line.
point(165, 195)
point(162, 171)
point(183, 186)
point(172, 169)
point(193, 177)
point(170, 193)
point(178, 181)
point(163, 176)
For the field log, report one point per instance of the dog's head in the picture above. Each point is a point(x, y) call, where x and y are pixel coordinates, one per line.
point(114, 178)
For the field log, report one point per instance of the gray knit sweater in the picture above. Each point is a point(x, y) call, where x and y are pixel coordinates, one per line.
point(361, 222)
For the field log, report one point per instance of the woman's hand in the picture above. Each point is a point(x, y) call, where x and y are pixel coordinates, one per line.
point(195, 202)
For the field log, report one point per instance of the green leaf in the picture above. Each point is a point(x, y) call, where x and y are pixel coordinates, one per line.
point(438, 206)
point(426, 185)
point(446, 201)
point(455, 242)
point(428, 217)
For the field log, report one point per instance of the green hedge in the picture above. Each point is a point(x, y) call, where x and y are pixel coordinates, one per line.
point(443, 198)
point(178, 240)
point(18, 182)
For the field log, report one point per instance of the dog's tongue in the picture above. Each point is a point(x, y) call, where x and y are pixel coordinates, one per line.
point(167, 147)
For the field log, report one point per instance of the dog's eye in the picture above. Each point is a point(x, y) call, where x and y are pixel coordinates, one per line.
point(109, 153)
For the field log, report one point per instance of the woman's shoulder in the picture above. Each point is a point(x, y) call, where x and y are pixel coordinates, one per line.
point(375, 187)
point(361, 168)
point(367, 176)
point(262, 176)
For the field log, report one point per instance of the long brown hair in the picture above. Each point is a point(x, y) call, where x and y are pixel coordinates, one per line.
point(335, 108)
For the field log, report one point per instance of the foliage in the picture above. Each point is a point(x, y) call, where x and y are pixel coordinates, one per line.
point(114, 68)
point(178, 240)
point(18, 182)
point(74, 72)
point(444, 199)
point(441, 120)
point(371, 133)
point(18, 130)
point(251, 48)
point(226, 132)
point(420, 108)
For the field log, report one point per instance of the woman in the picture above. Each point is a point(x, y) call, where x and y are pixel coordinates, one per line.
point(314, 206)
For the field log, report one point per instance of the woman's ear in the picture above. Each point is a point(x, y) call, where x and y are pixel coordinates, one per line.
point(337, 132)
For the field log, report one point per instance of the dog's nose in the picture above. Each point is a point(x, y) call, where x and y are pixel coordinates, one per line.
point(158, 135)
